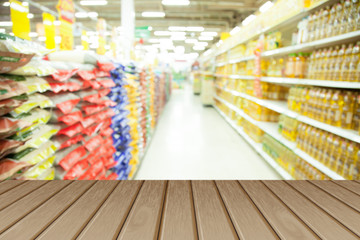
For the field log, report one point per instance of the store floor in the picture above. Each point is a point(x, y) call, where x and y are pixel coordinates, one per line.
point(195, 142)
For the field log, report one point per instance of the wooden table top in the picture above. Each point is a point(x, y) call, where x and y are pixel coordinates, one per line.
point(180, 210)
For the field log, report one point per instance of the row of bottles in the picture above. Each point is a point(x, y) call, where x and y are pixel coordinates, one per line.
point(288, 127)
point(338, 154)
point(340, 108)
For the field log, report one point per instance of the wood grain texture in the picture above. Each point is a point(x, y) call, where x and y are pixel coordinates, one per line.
point(350, 185)
point(244, 213)
point(320, 222)
point(22, 207)
point(9, 184)
point(143, 221)
point(107, 222)
point(285, 223)
point(17, 193)
point(343, 194)
point(178, 220)
point(212, 218)
point(74, 219)
point(38, 220)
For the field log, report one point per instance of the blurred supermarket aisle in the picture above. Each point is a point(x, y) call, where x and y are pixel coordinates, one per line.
point(193, 142)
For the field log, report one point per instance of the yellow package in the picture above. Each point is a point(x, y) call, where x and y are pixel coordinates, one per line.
point(36, 84)
point(39, 168)
point(45, 151)
point(35, 100)
point(36, 117)
point(38, 138)
point(49, 174)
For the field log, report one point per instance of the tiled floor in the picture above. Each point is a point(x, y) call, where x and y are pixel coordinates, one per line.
point(194, 142)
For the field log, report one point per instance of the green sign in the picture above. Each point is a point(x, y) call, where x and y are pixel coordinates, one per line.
point(142, 32)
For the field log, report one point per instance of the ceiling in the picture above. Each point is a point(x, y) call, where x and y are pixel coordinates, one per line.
point(213, 15)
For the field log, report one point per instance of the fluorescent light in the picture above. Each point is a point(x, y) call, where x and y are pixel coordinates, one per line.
point(207, 52)
point(191, 41)
point(162, 33)
point(209, 34)
point(205, 38)
point(175, 28)
point(42, 39)
point(201, 44)
point(30, 16)
point(6, 24)
point(93, 14)
point(33, 34)
point(176, 2)
point(19, 7)
point(6, 4)
point(25, 4)
point(248, 19)
point(194, 29)
point(153, 14)
point(266, 6)
point(57, 23)
point(93, 2)
point(235, 30)
point(81, 15)
point(199, 48)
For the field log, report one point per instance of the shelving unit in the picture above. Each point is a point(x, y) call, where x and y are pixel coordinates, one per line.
point(271, 129)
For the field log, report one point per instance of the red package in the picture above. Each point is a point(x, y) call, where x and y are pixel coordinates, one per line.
point(103, 92)
point(112, 176)
point(71, 118)
point(64, 75)
point(107, 123)
point(93, 143)
point(65, 141)
point(91, 109)
point(94, 84)
point(90, 96)
point(93, 157)
point(107, 83)
point(107, 102)
point(106, 132)
point(101, 175)
point(92, 129)
point(93, 171)
point(108, 141)
point(108, 113)
point(89, 120)
point(87, 75)
point(99, 73)
point(8, 146)
point(71, 131)
point(64, 101)
point(72, 158)
point(105, 66)
point(109, 162)
point(9, 126)
point(83, 84)
point(77, 170)
point(9, 167)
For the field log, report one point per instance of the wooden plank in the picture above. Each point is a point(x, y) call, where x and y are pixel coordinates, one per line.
point(343, 194)
point(213, 221)
point(144, 218)
point(178, 220)
point(285, 223)
point(74, 219)
point(9, 184)
point(337, 209)
point(320, 222)
point(107, 222)
point(248, 221)
point(17, 193)
point(37, 221)
point(19, 209)
point(351, 185)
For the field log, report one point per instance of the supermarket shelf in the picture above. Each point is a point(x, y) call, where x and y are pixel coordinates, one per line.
point(281, 107)
point(271, 129)
point(246, 77)
point(221, 64)
point(242, 59)
point(312, 82)
point(344, 38)
point(257, 147)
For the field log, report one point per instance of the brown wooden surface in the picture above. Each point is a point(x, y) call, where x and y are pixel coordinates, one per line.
point(180, 210)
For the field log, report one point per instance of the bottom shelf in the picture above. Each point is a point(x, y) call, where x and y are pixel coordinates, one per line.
point(257, 147)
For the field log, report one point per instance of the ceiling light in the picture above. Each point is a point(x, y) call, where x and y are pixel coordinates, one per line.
point(93, 14)
point(153, 14)
point(209, 34)
point(266, 6)
point(176, 2)
point(175, 28)
point(191, 41)
point(33, 34)
point(6, 24)
point(42, 39)
point(235, 30)
point(162, 33)
point(25, 4)
point(6, 4)
point(93, 2)
point(57, 23)
point(199, 48)
point(248, 19)
point(30, 16)
point(81, 15)
point(194, 29)
point(19, 7)
point(205, 38)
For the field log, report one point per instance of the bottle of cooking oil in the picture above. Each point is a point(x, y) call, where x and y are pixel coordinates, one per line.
point(354, 60)
point(344, 16)
point(318, 22)
point(351, 23)
point(339, 165)
point(332, 63)
point(330, 25)
point(327, 64)
point(311, 62)
point(335, 111)
point(321, 64)
point(335, 152)
point(324, 22)
point(338, 62)
point(348, 108)
point(311, 27)
point(322, 145)
point(345, 67)
point(337, 20)
point(327, 104)
point(351, 152)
